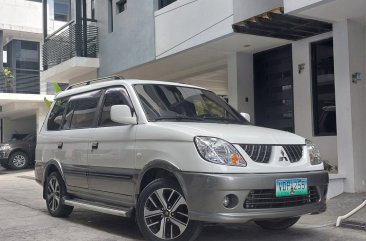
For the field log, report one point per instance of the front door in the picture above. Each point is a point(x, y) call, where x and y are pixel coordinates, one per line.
point(273, 89)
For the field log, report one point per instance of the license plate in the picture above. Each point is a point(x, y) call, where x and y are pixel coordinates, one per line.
point(291, 187)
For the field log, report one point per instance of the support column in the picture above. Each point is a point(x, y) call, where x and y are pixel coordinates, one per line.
point(349, 58)
point(1, 50)
point(41, 116)
point(241, 83)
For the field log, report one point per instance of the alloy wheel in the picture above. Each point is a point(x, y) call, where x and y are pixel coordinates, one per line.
point(19, 161)
point(166, 213)
point(53, 194)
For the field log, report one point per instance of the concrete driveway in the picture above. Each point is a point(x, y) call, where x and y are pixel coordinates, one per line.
point(23, 216)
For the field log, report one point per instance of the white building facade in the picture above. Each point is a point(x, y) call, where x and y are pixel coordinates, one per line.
point(297, 66)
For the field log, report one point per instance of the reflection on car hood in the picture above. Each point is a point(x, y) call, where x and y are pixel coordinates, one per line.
point(239, 134)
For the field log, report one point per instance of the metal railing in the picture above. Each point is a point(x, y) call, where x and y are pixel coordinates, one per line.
point(25, 81)
point(71, 40)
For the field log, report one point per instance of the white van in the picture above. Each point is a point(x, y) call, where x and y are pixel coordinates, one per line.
point(172, 156)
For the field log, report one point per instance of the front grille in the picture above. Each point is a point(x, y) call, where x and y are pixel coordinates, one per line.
point(294, 152)
point(258, 153)
point(266, 198)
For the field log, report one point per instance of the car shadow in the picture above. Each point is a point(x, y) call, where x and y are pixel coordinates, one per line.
point(128, 229)
point(4, 171)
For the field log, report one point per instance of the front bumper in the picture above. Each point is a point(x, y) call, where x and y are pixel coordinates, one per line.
point(205, 194)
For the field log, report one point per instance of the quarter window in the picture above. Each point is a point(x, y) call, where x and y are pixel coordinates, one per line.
point(114, 96)
point(55, 118)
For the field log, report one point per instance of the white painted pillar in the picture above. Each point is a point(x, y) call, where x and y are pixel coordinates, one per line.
point(349, 57)
point(241, 82)
point(41, 115)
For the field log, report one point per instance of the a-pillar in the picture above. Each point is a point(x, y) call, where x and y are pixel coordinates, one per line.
point(240, 82)
point(349, 58)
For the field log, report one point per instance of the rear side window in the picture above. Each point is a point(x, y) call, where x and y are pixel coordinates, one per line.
point(55, 118)
point(113, 96)
point(81, 110)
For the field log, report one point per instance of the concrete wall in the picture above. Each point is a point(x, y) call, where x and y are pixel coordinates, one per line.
point(303, 99)
point(25, 125)
point(132, 41)
point(349, 57)
point(187, 23)
point(240, 83)
point(244, 9)
point(21, 15)
point(299, 5)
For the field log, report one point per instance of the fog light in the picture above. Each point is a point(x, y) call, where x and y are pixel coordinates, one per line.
point(230, 201)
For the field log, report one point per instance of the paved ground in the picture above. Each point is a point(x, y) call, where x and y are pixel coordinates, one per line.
point(23, 216)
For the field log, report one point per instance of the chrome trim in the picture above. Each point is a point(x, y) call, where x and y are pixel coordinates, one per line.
point(96, 208)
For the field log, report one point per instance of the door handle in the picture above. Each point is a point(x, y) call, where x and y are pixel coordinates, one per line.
point(60, 145)
point(95, 145)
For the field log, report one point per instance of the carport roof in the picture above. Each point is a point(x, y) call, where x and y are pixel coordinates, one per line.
point(9, 98)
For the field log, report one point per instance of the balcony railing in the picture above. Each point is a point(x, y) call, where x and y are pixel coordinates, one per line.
point(72, 40)
point(25, 81)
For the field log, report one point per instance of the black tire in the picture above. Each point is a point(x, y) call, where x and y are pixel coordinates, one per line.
point(55, 191)
point(174, 218)
point(18, 160)
point(277, 224)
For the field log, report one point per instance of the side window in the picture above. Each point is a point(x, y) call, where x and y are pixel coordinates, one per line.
point(81, 110)
point(55, 118)
point(113, 96)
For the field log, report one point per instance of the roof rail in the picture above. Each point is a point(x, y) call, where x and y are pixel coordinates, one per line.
point(88, 82)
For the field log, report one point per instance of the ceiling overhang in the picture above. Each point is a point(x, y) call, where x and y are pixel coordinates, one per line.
point(276, 24)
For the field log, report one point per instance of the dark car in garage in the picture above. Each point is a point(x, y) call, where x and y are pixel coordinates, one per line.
point(18, 152)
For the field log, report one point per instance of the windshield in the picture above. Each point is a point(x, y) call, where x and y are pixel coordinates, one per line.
point(177, 103)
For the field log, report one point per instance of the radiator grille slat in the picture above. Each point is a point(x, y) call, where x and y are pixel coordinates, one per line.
point(266, 198)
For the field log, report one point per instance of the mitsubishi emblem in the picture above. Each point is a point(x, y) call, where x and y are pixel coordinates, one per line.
point(283, 156)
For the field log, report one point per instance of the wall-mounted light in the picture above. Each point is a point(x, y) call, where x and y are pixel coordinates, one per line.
point(301, 67)
point(356, 77)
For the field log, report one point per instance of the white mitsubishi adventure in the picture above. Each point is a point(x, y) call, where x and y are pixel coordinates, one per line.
point(173, 157)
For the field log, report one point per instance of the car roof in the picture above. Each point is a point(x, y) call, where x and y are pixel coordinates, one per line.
point(104, 84)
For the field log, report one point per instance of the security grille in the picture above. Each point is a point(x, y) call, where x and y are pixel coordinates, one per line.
point(266, 198)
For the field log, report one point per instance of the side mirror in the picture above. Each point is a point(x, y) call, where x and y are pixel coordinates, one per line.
point(122, 114)
point(246, 116)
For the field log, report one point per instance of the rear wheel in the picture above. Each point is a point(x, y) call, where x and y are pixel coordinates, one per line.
point(162, 213)
point(18, 160)
point(55, 191)
point(278, 224)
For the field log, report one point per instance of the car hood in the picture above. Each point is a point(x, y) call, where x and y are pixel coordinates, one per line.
point(234, 133)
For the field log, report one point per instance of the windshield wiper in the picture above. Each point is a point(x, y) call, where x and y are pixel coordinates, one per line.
point(178, 117)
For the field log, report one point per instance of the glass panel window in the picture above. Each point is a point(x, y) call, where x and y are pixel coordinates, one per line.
point(81, 110)
point(114, 96)
point(62, 10)
point(164, 3)
point(324, 105)
point(55, 118)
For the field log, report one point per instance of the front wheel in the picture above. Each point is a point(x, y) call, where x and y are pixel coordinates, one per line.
point(277, 224)
point(162, 213)
point(18, 160)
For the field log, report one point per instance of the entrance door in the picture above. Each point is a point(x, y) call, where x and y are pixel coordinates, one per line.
point(273, 89)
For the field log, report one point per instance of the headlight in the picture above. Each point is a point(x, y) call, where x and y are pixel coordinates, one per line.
point(314, 153)
point(218, 151)
point(4, 147)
